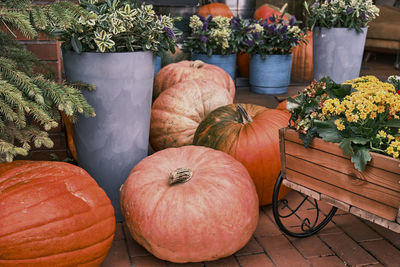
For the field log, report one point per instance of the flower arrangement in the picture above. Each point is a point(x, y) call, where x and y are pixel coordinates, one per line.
point(215, 35)
point(272, 36)
point(340, 13)
point(118, 26)
point(395, 80)
point(361, 115)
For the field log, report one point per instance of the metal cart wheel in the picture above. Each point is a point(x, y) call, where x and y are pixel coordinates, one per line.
point(306, 227)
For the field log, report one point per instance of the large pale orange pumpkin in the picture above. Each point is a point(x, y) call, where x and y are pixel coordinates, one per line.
point(302, 61)
point(249, 133)
point(190, 204)
point(52, 214)
point(190, 70)
point(177, 112)
point(215, 9)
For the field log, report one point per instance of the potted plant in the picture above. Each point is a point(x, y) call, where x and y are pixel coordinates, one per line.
point(111, 45)
point(30, 102)
point(339, 33)
point(215, 40)
point(269, 43)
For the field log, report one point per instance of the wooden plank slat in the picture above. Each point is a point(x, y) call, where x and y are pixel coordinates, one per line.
point(371, 174)
point(350, 198)
point(282, 149)
point(379, 161)
point(302, 189)
point(357, 186)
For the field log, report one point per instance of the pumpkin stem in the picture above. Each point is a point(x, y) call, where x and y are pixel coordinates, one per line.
point(197, 64)
point(180, 175)
point(244, 117)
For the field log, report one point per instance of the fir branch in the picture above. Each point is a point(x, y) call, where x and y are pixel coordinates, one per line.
point(17, 20)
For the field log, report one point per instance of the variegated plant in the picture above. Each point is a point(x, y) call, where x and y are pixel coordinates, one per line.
point(118, 26)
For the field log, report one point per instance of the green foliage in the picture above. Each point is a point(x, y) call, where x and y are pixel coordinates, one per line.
point(117, 26)
point(215, 35)
point(273, 36)
point(29, 102)
point(354, 14)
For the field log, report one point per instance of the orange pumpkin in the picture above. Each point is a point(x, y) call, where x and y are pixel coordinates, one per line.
point(282, 105)
point(52, 214)
point(302, 61)
point(177, 112)
point(215, 9)
point(189, 70)
point(190, 204)
point(249, 133)
point(243, 62)
point(265, 11)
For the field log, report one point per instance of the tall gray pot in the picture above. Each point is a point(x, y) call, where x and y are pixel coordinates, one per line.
point(112, 143)
point(338, 53)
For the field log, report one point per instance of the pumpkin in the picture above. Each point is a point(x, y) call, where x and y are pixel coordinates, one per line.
point(243, 62)
point(302, 61)
point(265, 11)
point(52, 214)
point(215, 9)
point(189, 70)
point(250, 134)
point(69, 130)
point(282, 105)
point(190, 204)
point(177, 112)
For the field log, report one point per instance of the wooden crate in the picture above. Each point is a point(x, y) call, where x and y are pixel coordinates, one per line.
point(323, 172)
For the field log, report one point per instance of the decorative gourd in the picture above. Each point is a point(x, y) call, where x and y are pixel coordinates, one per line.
point(190, 204)
point(215, 9)
point(302, 61)
point(52, 214)
point(265, 11)
point(243, 61)
point(189, 70)
point(249, 133)
point(177, 112)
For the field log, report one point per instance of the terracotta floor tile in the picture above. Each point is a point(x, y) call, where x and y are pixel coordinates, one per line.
point(266, 227)
point(255, 260)
point(311, 247)
point(225, 262)
point(117, 255)
point(282, 252)
point(355, 228)
point(330, 229)
point(391, 236)
point(348, 250)
point(383, 251)
point(189, 264)
point(148, 261)
point(331, 261)
point(251, 247)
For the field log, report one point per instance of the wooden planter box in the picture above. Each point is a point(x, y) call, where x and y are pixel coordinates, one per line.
point(324, 173)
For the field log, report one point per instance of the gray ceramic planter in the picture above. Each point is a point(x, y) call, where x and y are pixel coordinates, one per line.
point(338, 53)
point(112, 143)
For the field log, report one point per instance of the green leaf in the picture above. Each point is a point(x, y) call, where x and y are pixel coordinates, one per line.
point(359, 140)
point(328, 131)
point(345, 145)
point(392, 123)
point(361, 158)
point(76, 44)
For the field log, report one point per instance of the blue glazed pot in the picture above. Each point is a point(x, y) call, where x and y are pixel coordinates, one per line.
point(225, 62)
point(157, 65)
point(270, 75)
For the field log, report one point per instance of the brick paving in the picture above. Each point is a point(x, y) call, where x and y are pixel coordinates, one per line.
point(346, 241)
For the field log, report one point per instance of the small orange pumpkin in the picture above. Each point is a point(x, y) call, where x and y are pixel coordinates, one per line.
point(190, 204)
point(250, 134)
point(215, 9)
point(267, 10)
point(52, 214)
point(243, 62)
point(302, 61)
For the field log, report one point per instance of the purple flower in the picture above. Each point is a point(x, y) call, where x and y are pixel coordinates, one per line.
point(249, 28)
point(349, 10)
point(272, 28)
point(201, 17)
point(249, 42)
point(293, 40)
point(292, 20)
point(285, 37)
point(272, 19)
point(235, 23)
point(362, 15)
point(203, 38)
point(209, 18)
point(205, 25)
point(284, 29)
point(255, 35)
point(169, 32)
point(261, 42)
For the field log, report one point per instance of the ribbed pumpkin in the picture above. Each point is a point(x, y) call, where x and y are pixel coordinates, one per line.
point(177, 112)
point(215, 9)
point(302, 61)
point(265, 11)
point(190, 204)
point(249, 133)
point(282, 105)
point(190, 70)
point(243, 62)
point(52, 214)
